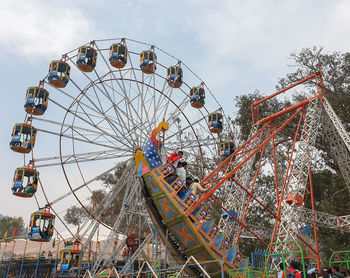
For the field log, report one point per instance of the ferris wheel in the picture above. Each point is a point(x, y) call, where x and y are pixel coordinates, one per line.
point(87, 118)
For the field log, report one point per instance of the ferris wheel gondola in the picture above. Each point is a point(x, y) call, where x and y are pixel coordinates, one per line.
point(41, 225)
point(36, 100)
point(23, 138)
point(59, 72)
point(197, 95)
point(25, 181)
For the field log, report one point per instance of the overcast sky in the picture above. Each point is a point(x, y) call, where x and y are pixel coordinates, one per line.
point(234, 46)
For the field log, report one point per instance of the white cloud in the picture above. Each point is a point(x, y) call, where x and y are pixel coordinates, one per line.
point(249, 39)
point(42, 29)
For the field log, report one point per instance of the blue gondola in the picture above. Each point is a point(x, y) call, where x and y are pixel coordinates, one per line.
point(226, 149)
point(148, 61)
point(86, 58)
point(174, 76)
point(197, 95)
point(23, 138)
point(118, 55)
point(59, 72)
point(41, 225)
point(215, 122)
point(36, 100)
point(25, 182)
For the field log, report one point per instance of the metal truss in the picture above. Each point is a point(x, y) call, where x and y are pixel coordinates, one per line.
point(236, 195)
point(132, 201)
point(338, 139)
point(138, 252)
point(298, 177)
point(322, 219)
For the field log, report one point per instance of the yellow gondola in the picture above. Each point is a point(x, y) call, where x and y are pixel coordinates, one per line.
point(226, 149)
point(148, 61)
point(197, 95)
point(174, 76)
point(41, 225)
point(215, 122)
point(69, 258)
point(86, 58)
point(118, 55)
point(25, 182)
point(23, 138)
point(36, 100)
point(59, 74)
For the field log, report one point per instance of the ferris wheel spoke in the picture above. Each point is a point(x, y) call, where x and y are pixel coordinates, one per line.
point(157, 98)
point(93, 87)
point(166, 105)
point(97, 132)
point(111, 122)
point(127, 115)
point(188, 126)
point(81, 104)
point(81, 157)
point(136, 126)
point(122, 86)
point(98, 99)
point(80, 115)
point(172, 117)
point(108, 97)
point(78, 139)
point(90, 79)
point(94, 105)
point(128, 100)
point(76, 189)
point(89, 137)
point(133, 75)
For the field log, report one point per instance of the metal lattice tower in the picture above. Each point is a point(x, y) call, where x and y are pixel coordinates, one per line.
point(130, 208)
point(338, 139)
point(298, 177)
point(236, 195)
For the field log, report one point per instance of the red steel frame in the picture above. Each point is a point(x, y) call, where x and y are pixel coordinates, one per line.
point(271, 126)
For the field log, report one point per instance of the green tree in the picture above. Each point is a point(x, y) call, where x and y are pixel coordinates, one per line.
point(75, 215)
point(9, 224)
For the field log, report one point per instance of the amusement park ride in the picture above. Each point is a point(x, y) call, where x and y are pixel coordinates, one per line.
point(115, 113)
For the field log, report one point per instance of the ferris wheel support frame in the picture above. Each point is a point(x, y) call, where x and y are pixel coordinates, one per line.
point(300, 170)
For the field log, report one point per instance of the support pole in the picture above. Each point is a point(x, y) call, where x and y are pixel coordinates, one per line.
point(166, 248)
point(37, 262)
point(24, 256)
point(314, 219)
point(13, 250)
